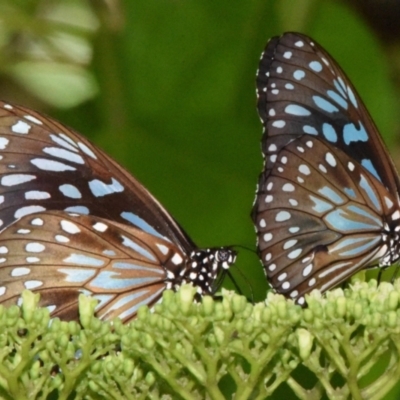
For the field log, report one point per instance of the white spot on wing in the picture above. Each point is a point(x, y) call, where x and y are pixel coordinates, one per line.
point(77, 209)
point(162, 248)
point(279, 124)
point(272, 267)
point(299, 74)
point(304, 169)
point(32, 284)
point(61, 238)
point(21, 127)
point(23, 231)
point(51, 308)
point(36, 195)
point(64, 154)
point(86, 150)
point(62, 142)
point(268, 198)
point(69, 227)
point(388, 202)
point(3, 143)
point(267, 237)
point(20, 271)
point(289, 244)
point(396, 215)
point(100, 226)
point(294, 254)
point(33, 119)
point(282, 277)
point(21, 212)
point(16, 179)
point(282, 216)
point(100, 189)
point(330, 159)
point(307, 270)
point(51, 165)
point(177, 259)
point(288, 187)
point(32, 259)
point(70, 191)
point(34, 247)
point(68, 139)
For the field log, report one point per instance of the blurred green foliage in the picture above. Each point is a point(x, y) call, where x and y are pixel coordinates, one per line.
point(167, 88)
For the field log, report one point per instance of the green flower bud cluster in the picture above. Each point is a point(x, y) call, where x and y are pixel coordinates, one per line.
point(209, 349)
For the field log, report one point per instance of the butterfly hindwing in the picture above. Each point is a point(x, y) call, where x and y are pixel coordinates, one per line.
point(116, 264)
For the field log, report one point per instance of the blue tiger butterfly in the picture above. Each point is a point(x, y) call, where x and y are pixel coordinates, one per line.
point(74, 221)
point(327, 202)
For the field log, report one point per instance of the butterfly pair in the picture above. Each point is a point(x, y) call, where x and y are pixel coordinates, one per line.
point(74, 221)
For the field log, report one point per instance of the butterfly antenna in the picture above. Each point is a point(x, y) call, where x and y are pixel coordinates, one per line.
point(394, 276)
point(244, 277)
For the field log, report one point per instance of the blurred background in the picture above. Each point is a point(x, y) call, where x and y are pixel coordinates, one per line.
point(167, 87)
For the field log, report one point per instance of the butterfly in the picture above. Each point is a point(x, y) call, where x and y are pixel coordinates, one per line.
point(327, 202)
point(74, 221)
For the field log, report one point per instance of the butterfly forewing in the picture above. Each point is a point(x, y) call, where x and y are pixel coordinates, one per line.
point(327, 201)
point(302, 90)
point(46, 166)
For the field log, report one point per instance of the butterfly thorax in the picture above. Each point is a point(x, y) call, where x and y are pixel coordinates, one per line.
point(203, 267)
point(391, 243)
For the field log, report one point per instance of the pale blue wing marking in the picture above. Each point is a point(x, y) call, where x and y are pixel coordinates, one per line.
point(324, 105)
point(352, 134)
point(329, 132)
point(342, 222)
point(77, 275)
point(364, 184)
point(141, 224)
point(354, 246)
point(109, 280)
point(320, 206)
point(134, 246)
point(331, 195)
point(338, 99)
point(367, 164)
